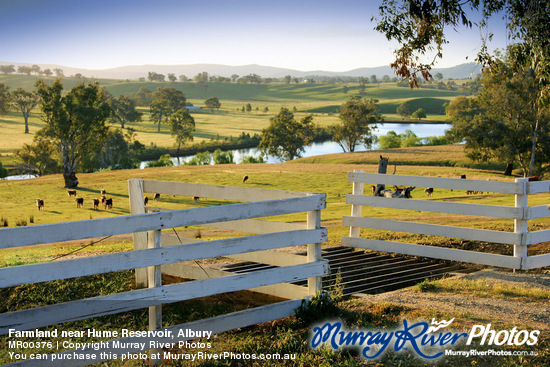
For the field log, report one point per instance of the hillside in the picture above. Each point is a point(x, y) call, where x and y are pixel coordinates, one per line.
point(321, 100)
point(138, 71)
point(273, 92)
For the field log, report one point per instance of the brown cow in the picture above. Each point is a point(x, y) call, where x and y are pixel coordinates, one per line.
point(145, 200)
point(245, 179)
point(71, 193)
point(40, 204)
point(102, 192)
point(156, 197)
point(96, 203)
point(79, 202)
point(429, 191)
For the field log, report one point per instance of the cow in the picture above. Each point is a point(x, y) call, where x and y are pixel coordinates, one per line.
point(71, 193)
point(156, 197)
point(373, 188)
point(145, 200)
point(196, 198)
point(40, 204)
point(79, 202)
point(245, 179)
point(95, 202)
point(429, 191)
point(109, 203)
point(103, 192)
point(102, 199)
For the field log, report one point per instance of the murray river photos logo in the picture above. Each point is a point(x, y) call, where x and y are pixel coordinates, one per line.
point(428, 341)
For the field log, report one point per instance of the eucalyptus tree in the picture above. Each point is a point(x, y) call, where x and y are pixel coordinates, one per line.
point(75, 122)
point(7, 69)
point(40, 157)
point(4, 98)
point(285, 137)
point(24, 102)
point(359, 118)
point(166, 101)
point(124, 110)
point(505, 122)
point(22, 69)
point(213, 103)
point(182, 127)
point(421, 27)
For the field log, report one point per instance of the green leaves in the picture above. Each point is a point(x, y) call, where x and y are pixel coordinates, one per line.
point(75, 121)
point(285, 137)
point(359, 118)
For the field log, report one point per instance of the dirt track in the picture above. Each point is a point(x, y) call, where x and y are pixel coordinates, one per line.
point(481, 309)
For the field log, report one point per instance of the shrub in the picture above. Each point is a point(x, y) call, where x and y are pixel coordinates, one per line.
point(223, 157)
point(251, 159)
point(318, 307)
point(200, 159)
point(163, 161)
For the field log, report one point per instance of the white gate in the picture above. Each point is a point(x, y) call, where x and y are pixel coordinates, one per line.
point(521, 238)
point(150, 257)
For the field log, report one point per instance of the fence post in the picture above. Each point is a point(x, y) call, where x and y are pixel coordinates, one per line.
point(356, 210)
point(137, 206)
point(520, 225)
point(314, 284)
point(155, 280)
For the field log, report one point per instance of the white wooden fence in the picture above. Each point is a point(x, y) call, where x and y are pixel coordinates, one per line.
point(149, 256)
point(521, 238)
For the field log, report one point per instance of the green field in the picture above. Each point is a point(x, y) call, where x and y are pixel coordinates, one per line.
point(321, 100)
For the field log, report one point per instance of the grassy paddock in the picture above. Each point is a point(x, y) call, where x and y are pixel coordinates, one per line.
point(328, 176)
point(282, 336)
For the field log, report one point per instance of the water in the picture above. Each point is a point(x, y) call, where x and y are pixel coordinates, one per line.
point(19, 177)
point(331, 147)
point(327, 147)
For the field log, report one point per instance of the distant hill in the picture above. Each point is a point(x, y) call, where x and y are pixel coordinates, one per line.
point(139, 71)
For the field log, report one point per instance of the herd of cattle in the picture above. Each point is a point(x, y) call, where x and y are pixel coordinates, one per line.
point(106, 202)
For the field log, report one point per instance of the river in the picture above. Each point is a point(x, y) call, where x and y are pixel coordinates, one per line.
point(330, 147)
point(327, 147)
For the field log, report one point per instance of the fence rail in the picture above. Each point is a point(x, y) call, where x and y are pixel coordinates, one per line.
point(521, 238)
point(155, 251)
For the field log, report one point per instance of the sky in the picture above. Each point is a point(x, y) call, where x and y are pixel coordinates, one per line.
point(304, 35)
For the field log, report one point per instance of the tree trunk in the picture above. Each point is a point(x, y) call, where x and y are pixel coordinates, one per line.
point(26, 116)
point(69, 176)
point(533, 149)
point(509, 168)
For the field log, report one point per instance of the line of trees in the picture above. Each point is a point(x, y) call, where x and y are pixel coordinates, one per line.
point(28, 70)
point(204, 77)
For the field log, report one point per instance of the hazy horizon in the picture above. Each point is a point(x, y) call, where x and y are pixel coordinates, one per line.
point(300, 35)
